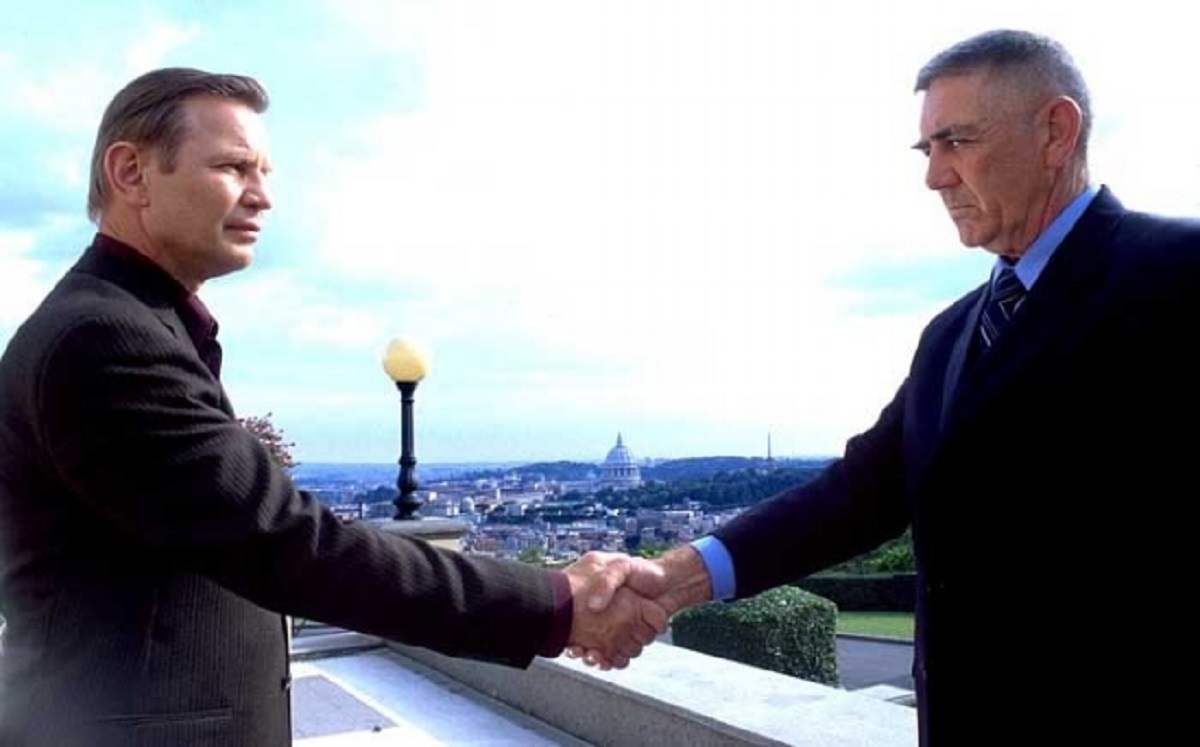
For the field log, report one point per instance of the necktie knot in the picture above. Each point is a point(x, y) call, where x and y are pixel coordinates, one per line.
point(1006, 297)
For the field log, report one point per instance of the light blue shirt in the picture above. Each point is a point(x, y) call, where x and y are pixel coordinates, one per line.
point(1028, 269)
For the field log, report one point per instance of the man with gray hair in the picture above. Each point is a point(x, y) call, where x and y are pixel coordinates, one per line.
point(1043, 435)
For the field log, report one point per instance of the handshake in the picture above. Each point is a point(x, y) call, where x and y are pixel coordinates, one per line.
point(622, 603)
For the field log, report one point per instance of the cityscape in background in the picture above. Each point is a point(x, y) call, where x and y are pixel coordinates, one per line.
point(555, 511)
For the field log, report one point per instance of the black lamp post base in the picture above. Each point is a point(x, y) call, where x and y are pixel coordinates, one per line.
point(407, 503)
point(407, 510)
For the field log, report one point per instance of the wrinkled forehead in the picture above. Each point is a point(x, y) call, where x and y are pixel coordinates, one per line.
point(967, 99)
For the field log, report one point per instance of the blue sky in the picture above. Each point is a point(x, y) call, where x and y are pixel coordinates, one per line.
point(691, 222)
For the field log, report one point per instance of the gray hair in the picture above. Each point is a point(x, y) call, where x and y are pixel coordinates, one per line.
point(1034, 62)
point(148, 111)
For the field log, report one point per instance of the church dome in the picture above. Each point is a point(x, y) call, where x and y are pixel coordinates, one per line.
point(619, 455)
point(619, 470)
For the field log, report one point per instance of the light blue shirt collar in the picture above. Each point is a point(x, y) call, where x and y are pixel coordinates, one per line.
point(1029, 267)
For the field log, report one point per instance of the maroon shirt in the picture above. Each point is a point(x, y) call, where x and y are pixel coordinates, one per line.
point(199, 323)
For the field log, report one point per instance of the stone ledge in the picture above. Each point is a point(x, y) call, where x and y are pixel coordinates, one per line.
point(891, 694)
point(672, 695)
point(337, 643)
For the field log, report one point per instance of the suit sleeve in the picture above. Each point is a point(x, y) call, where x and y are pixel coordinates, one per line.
point(851, 507)
point(133, 424)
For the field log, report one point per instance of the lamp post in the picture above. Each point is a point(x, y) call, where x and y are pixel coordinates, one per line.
point(406, 366)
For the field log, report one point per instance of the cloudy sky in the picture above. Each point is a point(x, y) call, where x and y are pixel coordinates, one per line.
point(692, 222)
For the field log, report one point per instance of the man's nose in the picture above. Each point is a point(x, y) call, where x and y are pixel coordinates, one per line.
point(257, 195)
point(939, 174)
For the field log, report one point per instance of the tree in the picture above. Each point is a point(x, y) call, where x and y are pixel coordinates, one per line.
point(532, 555)
point(272, 438)
point(652, 549)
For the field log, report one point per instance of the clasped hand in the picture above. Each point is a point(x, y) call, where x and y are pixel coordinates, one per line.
point(617, 609)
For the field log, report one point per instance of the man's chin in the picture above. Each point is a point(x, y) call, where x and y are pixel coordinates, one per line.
point(968, 236)
point(237, 257)
point(969, 240)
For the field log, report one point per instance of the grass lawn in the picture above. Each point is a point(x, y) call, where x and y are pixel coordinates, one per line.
point(888, 624)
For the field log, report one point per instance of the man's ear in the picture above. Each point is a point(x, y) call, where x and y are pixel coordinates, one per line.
point(125, 169)
point(1064, 124)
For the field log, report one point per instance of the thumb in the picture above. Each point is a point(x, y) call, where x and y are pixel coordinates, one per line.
point(603, 584)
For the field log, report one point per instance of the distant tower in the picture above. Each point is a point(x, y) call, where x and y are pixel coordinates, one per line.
point(619, 470)
point(770, 459)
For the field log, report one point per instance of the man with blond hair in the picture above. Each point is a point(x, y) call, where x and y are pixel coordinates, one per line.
point(149, 544)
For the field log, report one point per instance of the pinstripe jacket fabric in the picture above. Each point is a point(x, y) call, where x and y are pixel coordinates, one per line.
point(1049, 485)
point(149, 546)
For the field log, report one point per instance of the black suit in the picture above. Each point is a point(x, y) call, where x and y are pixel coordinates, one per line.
point(1047, 484)
point(149, 545)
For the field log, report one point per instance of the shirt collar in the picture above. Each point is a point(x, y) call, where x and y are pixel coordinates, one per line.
point(197, 320)
point(1029, 267)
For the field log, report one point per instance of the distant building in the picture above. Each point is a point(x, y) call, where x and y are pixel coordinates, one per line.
point(619, 470)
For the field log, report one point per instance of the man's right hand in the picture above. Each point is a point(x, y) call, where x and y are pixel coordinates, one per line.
point(611, 623)
point(675, 581)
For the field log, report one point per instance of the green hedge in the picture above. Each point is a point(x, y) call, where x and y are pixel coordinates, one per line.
point(876, 592)
point(785, 630)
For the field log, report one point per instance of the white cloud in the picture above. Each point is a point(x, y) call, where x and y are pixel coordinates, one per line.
point(663, 194)
point(154, 43)
point(394, 25)
point(67, 98)
point(22, 280)
point(610, 212)
point(70, 94)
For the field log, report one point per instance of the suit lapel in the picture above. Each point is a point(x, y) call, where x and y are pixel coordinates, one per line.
point(958, 355)
point(1051, 312)
point(171, 321)
point(152, 289)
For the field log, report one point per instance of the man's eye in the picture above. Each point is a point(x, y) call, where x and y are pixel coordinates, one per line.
point(955, 143)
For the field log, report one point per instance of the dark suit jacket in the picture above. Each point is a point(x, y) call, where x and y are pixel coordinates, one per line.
point(149, 546)
point(1048, 486)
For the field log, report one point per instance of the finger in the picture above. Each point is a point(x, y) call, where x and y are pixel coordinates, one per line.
point(630, 648)
point(655, 616)
point(599, 661)
point(644, 634)
point(619, 656)
point(603, 585)
point(646, 577)
point(594, 560)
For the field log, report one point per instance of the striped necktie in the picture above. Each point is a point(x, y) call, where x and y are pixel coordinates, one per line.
point(1007, 295)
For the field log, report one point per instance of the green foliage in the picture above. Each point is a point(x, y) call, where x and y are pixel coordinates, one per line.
point(272, 438)
point(720, 490)
point(700, 468)
point(377, 494)
point(713, 481)
point(532, 556)
point(894, 592)
point(784, 630)
point(893, 556)
point(562, 471)
point(651, 549)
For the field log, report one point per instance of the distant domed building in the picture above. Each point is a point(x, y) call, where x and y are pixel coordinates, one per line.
point(619, 470)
